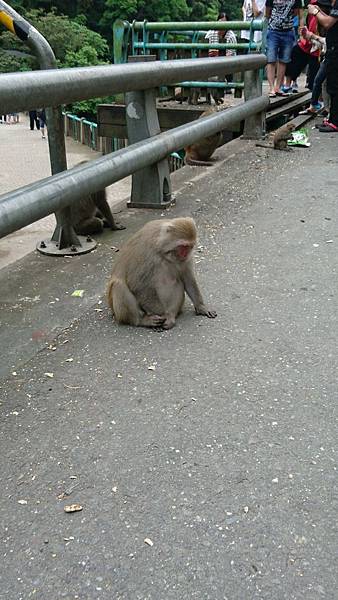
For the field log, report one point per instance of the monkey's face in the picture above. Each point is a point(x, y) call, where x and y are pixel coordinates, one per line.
point(183, 251)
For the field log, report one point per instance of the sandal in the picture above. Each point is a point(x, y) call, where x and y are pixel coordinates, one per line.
point(328, 128)
point(272, 95)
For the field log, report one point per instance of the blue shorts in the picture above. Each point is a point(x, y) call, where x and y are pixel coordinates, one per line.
point(279, 45)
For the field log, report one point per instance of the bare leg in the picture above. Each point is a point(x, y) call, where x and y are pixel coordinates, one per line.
point(270, 73)
point(281, 67)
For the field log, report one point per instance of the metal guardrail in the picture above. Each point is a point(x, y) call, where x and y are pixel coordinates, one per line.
point(24, 91)
point(35, 201)
point(64, 235)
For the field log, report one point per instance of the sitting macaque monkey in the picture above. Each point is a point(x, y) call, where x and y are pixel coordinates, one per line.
point(92, 213)
point(199, 153)
point(152, 272)
point(280, 138)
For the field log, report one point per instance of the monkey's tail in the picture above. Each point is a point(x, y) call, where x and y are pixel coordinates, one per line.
point(261, 145)
point(110, 294)
point(198, 163)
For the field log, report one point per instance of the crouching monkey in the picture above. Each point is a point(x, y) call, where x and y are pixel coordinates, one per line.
point(153, 271)
point(92, 213)
point(280, 138)
point(199, 153)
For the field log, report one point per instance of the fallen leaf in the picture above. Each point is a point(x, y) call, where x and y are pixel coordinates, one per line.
point(78, 293)
point(70, 508)
point(51, 375)
point(149, 542)
point(22, 502)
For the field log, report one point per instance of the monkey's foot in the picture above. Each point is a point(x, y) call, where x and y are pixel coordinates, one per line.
point(169, 323)
point(201, 310)
point(152, 321)
point(118, 226)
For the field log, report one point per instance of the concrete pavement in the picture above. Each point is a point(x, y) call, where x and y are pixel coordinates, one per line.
point(205, 458)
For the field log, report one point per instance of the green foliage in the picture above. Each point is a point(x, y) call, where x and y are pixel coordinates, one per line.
point(153, 10)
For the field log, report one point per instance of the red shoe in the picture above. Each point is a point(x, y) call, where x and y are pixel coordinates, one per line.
point(325, 121)
point(328, 128)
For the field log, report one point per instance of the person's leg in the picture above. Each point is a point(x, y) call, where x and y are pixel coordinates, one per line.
point(31, 120)
point(271, 55)
point(317, 84)
point(286, 48)
point(295, 63)
point(271, 75)
point(281, 68)
point(332, 87)
point(312, 71)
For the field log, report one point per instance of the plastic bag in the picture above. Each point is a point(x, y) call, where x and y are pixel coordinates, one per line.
point(300, 138)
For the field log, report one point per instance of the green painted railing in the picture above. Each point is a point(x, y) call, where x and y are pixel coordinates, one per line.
point(141, 37)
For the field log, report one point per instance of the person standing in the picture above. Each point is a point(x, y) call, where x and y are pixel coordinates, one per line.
point(33, 118)
point(280, 40)
point(330, 22)
point(252, 9)
point(42, 120)
point(214, 37)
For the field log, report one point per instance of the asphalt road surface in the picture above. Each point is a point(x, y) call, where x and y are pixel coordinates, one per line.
point(204, 458)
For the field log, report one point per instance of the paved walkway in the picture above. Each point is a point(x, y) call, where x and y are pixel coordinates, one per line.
point(205, 458)
point(26, 158)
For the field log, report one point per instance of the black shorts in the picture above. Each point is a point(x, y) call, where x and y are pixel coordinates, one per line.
point(299, 60)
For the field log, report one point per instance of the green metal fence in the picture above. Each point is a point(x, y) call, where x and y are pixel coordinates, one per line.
point(163, 38)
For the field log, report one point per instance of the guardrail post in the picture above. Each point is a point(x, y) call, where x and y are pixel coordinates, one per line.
point(254, 126)
point(64, 240)
point(151, 187)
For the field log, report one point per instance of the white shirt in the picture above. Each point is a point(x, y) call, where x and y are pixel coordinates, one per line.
point(248, 16)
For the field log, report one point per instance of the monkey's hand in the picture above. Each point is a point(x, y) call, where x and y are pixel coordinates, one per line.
point(202, 310)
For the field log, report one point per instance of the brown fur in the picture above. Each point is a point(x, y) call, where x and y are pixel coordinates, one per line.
point(150, 276)
point(92, 213)
point(280, 138)
point(199, 153)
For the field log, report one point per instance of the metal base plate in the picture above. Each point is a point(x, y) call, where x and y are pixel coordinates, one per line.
point(157, 205)
point(50, 248)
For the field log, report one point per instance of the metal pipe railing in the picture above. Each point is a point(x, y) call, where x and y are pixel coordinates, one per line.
point(46, 58)
point(35, 201)
point(255, 24)
point(24, 91)
point(64, 234)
